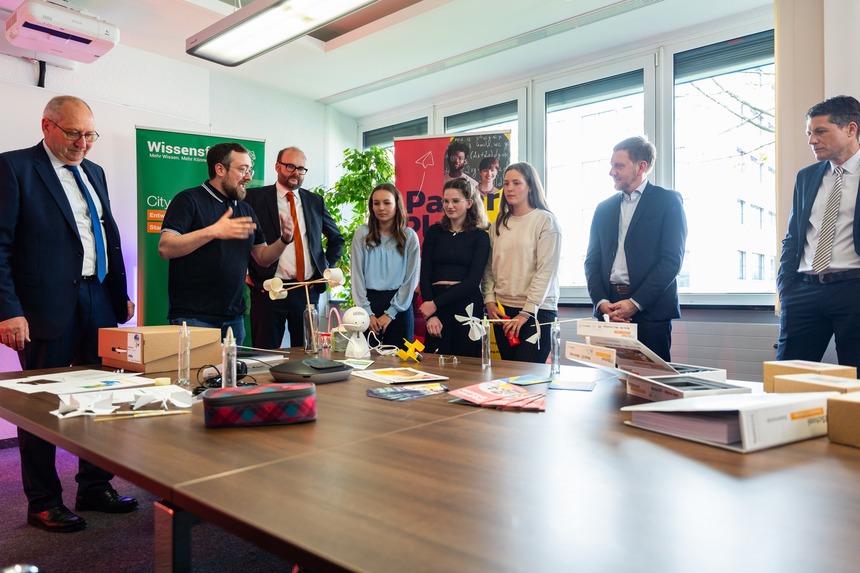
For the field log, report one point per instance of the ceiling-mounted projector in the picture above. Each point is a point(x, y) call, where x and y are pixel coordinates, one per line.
point(54, 27)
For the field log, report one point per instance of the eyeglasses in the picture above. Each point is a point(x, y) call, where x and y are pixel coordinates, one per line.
point(290, 168)
point(243, 171)
point(89, 136)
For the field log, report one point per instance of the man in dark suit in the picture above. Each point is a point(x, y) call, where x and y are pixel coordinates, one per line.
point(305, 261)
point(637, 283)
point(819, 271)
point(61, 279)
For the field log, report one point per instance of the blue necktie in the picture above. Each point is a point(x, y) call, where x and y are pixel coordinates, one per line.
point(101, 261)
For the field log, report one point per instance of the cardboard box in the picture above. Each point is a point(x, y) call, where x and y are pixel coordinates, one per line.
point(789, 383)
point(156, 348)
point(843, 419)
point(781, 367)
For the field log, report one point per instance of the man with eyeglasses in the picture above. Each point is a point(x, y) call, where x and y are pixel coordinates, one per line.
point(305, 260)
point(62, 277)
point(208, 235)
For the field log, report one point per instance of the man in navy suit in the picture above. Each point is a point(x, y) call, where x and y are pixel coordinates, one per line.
point(819, 272)
point(306, 258)
point(637, 282)
point(59, 283)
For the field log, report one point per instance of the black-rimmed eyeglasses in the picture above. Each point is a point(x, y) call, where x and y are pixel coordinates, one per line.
point(89, 136)
point(290, 168)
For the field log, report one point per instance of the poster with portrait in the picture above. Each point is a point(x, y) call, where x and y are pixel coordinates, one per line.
point(423, 164)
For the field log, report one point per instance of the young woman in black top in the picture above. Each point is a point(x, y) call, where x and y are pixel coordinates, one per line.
point(453, 259)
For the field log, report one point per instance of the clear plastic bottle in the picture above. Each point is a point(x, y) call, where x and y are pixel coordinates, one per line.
point(485, 344)
point(555, 348)
point(311, 326)
point(183, 373)
point(228, 360)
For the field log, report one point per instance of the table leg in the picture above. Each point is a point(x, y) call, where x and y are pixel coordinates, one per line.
point(173, 538)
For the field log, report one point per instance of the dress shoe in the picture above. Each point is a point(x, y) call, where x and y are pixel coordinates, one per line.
point(58, 519)
point(108, 501)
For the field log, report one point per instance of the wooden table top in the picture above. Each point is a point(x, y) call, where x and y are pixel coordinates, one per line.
point(381, 486)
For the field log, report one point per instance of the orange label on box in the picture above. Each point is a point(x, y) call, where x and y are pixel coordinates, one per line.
point(155, 214)
point(153, 227)
point(807, 413)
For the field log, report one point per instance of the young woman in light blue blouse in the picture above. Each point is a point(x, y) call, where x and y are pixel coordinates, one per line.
point(385, 266)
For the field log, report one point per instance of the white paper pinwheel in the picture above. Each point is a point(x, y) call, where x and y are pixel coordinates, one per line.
point(476, 329)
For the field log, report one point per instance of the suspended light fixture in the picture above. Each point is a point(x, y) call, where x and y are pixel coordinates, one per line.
point(265, 25)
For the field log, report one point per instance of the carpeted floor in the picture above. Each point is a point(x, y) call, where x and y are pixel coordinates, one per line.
point(110, 543)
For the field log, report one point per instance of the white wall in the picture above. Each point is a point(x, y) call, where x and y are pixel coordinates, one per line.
point(130, 87)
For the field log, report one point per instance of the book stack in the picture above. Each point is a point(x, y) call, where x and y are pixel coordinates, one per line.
point(502, 395)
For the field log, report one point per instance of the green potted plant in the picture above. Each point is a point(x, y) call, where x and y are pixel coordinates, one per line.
point(347, 200)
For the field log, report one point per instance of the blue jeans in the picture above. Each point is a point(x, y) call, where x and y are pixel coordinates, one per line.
point(237, 324)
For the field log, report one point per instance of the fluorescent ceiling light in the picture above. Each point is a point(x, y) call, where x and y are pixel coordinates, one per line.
point(265, 25)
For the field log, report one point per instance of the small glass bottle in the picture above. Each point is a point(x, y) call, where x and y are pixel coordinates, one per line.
point(555, 348)
point(183, 374)
point(311, 325)
point(228, 360)
point(485, 344)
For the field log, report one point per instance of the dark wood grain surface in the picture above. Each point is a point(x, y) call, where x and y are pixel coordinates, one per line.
point(427, 485)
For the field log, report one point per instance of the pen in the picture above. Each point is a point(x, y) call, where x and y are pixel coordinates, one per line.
point(129, 415)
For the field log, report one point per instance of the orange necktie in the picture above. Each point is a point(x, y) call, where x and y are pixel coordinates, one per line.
point(297, 238)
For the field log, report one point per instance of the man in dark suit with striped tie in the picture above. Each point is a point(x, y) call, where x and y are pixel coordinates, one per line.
point(62, 277)
point(819, 273)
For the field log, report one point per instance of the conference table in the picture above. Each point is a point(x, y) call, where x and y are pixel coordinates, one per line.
point(428, 485)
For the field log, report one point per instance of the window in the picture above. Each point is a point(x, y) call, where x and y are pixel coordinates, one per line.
point(583, 124)
point(725, 159)
point(384, 136)
point(741, 206)
point(758, 271)
point(498, 117)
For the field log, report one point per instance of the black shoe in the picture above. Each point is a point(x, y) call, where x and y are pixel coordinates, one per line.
point(57, 519)
point(108, 501)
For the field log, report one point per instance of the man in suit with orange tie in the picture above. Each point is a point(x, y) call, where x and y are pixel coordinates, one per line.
point(305, 260)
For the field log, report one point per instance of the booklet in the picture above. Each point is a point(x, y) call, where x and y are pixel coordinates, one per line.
point(398, 375)
point(633, 356)
point(501, 394)
point(407, 392)
point(738, 422)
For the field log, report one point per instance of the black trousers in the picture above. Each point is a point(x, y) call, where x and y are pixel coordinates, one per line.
point(526, 351)
point(811, 314)
point(403, 325)
point(455, 335)
point(77, 345)
point(270, 318)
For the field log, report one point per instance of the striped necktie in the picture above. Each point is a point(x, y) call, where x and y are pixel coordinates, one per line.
point(824, 248)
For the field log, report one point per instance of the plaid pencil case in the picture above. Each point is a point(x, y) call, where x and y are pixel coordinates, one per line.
point(260, 405)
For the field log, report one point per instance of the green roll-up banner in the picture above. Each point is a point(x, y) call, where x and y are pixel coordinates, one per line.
point(167, 163)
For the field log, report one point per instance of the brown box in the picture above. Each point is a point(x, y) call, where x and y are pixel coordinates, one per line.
point(781, 367)
point(843, 419)
point(156, 348)
point(789, 383)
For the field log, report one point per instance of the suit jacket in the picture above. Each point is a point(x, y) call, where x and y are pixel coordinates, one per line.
point(654, 247)
point(318, 222)
point(806, 188)
point(41, 254)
